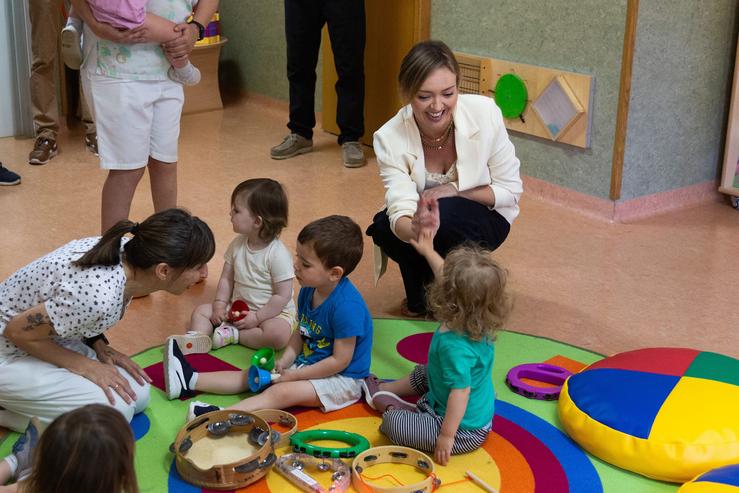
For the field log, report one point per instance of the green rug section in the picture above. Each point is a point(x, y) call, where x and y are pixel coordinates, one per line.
point(153, 459)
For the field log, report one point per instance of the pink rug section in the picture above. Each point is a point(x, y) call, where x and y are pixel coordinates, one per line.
point(201, 363)
point(416, 347)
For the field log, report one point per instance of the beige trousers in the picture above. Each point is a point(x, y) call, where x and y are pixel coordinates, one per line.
point(46, 24)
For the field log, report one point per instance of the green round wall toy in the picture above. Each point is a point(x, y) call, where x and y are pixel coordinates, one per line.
point(511, 95)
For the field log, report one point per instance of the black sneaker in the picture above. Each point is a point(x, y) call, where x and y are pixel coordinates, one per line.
point(198, 408)
point(23, 448)
point(7, 177)
point(177, 372)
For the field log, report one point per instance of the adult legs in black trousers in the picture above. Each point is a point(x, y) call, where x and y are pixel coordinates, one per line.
point(304, 20)
point(461, 220)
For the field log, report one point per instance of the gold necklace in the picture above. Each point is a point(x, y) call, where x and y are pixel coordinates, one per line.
point(438, 143)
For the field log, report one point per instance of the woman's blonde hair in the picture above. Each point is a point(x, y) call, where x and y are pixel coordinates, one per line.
point(419, 62)
point(470, 295)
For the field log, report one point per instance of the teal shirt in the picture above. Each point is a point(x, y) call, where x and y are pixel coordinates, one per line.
point(456, 362)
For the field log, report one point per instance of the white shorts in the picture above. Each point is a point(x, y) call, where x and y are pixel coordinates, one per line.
point(336, 392)
point(135, 119)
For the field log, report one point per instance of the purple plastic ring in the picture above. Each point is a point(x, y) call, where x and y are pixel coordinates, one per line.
point(541, 372)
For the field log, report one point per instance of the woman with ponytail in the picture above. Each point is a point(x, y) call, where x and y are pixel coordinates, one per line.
point(54, 312)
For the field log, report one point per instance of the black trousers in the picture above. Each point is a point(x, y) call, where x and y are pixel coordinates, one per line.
point(304, 20)
point(462, 221)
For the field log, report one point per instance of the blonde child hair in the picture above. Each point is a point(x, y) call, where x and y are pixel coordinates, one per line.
point(470, 294)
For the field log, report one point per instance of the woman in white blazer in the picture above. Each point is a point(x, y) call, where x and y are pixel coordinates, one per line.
point(447, 146)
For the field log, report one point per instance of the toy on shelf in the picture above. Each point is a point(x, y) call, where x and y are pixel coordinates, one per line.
point(357, 443)
point(238, 310)
point(542, 372)
point(250, 451)
point(396, 455)
point(212, 34)
point(260, 378)
point(293, 467)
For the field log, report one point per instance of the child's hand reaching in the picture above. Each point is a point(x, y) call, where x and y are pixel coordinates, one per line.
point(425, 242)
point(443, 449)
point(218, 313)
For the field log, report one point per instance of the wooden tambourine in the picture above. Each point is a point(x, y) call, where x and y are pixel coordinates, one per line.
point(236, 429)
point(397, 455)
point(284, 419)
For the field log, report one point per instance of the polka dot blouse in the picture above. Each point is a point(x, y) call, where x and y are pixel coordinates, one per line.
point(81, 302)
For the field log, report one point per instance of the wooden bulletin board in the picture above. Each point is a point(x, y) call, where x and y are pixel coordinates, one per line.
point(536, 79)
point(730, 175)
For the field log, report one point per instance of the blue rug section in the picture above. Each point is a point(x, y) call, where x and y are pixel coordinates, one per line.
point(140, 425)
point(176, 484)
point(580, 472)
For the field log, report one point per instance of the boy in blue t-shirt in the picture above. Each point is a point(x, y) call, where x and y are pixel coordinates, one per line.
point(328, 357)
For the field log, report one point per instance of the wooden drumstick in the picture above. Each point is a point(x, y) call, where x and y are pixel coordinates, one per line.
point(479, 482)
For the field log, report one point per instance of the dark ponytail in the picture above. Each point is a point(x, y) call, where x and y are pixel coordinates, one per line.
point(173, 236)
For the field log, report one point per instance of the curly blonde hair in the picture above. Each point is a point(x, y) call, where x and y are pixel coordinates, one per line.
point(470, 295)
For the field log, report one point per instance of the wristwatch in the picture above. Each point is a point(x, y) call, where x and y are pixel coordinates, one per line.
point(201, 28)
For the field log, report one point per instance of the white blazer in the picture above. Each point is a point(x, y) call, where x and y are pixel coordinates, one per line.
point(485, 156)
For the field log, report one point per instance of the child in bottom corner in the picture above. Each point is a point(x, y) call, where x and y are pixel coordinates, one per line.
point(455, 412)
point(327, 359)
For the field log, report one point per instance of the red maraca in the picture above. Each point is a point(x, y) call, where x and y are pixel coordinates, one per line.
point(239, 309)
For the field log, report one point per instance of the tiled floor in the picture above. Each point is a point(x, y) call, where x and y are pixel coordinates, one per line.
point(670, 280)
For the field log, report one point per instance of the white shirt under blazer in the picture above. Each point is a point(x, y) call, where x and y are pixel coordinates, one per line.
point(485, 156)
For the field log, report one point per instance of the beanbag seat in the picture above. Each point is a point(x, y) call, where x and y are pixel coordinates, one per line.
point(722, 480)
point(666, 413)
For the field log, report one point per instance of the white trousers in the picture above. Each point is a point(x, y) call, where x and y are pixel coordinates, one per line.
point(32, 387)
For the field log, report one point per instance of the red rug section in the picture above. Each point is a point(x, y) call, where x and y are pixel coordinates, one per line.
point(201, 363)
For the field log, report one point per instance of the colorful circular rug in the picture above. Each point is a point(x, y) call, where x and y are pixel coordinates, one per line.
point(525, 453)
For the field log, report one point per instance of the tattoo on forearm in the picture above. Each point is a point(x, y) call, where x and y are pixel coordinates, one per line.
point(36, 319)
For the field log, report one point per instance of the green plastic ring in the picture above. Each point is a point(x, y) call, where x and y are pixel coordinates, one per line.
point(357, 443)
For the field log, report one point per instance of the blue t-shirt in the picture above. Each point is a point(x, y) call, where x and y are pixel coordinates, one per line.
point(343, 314)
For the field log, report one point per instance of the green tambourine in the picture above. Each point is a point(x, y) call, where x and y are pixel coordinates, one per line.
point(301, 443)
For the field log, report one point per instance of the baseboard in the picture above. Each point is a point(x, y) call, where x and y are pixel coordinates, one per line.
point(623, 211)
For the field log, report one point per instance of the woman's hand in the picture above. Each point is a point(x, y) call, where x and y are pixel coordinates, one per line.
point(107, 377)
point(443, 449)
point(439, 192)
point(181, 47)
point(110, 356)
point(426, 217)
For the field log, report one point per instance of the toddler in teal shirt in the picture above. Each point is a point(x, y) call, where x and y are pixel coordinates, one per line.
point(455, 412)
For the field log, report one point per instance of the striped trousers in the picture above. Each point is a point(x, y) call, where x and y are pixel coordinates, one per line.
point(420, 429)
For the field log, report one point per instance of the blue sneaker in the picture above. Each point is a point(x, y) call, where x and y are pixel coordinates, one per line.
point(7, 177)
point(23, 448)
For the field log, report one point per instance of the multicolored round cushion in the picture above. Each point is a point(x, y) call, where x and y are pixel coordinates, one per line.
point(666, 413)
point(722, 480)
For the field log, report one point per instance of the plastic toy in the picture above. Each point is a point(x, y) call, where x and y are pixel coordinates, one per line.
point(357, 443)
point(239, 309)
point(293, 467)
point(722, 480)
point(397, 455)
point(542, 372)
point(260, 378)
point(215, 426)
point(264, 358)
